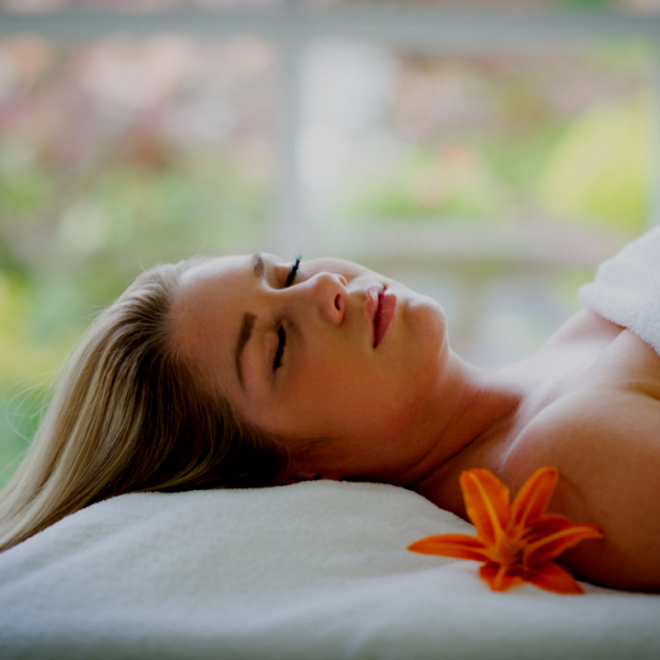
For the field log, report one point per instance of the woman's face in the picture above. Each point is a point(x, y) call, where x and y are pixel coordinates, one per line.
point(325, 350)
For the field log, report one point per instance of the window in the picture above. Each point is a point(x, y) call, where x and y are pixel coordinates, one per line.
point(489, 154)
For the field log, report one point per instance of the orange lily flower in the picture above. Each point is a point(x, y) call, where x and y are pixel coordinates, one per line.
point(517, 542)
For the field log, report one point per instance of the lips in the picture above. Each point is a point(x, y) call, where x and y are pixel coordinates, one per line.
point(381, 305)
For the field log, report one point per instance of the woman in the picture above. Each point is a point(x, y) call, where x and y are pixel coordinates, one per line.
point(248, 370)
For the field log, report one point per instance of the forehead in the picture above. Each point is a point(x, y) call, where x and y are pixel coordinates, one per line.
point(208, 307)
point(197, 279)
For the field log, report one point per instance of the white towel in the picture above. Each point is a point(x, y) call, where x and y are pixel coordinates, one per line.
point(626, 289)
point(312, 571)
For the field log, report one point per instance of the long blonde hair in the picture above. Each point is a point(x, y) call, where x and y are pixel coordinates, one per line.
point(130, 414)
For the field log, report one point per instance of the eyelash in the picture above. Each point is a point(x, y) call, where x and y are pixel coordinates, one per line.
point(281, 333)
point(293, 271)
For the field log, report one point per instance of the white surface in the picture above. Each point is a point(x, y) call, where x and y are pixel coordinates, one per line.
point(626, 289)
point(314, 570)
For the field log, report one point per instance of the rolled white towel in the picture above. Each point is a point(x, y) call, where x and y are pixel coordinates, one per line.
point(626, 289)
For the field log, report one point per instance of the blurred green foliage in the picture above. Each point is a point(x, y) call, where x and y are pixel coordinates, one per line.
point(600, 171)
point(546, 144)
point(451, 185)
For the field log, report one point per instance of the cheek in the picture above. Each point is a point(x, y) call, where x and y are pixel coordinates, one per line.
point(418, 365)
point(422, 342)
point(427, 320)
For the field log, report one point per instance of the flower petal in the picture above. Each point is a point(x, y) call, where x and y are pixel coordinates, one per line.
point(551, 577)
point(533, 498)
point(552, 534)
point(498, 577)
point(487, 503)
point(452, 545)
point(516, 543)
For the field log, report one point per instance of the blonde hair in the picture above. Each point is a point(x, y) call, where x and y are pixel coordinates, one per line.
point(131, 414)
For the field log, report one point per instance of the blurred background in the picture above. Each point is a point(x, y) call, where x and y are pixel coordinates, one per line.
point(487, 153)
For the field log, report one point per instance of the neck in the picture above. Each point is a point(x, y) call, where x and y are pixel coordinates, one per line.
point(481, 412)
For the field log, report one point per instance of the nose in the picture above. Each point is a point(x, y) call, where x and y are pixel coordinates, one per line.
point(325, 293)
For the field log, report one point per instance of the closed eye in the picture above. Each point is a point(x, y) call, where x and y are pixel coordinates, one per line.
point(281, 332)
point(281, 335)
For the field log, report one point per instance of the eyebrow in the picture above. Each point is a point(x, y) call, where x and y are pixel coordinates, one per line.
point(248, 322)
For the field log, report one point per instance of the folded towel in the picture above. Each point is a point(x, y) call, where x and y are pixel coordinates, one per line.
point(626, 290)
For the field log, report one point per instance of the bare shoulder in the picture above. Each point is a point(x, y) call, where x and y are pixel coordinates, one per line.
point(604, 438)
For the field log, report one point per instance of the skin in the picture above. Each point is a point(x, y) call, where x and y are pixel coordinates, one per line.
point(410, 412)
